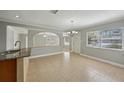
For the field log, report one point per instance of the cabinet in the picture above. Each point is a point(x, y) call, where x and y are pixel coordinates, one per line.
point(8, 70)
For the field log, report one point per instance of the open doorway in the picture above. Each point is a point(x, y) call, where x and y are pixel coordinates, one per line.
point(66, 43)
point(15, 34)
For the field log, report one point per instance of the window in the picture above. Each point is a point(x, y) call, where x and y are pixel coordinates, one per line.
point(110, 39)
point(94, 39)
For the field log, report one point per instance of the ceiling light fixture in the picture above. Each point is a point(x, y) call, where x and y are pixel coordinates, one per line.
point(72, 33)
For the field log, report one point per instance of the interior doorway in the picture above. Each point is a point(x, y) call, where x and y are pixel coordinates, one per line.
point(66, 43)
point(15, 34)
point(76, 43)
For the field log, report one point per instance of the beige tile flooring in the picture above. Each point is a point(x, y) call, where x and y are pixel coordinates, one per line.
point(71, 67)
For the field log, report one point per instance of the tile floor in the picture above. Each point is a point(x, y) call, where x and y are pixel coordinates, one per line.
point(71, 67)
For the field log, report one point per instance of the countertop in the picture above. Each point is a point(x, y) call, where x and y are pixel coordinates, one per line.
point(26, 52)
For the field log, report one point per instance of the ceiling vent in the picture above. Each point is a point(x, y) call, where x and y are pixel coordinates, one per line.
point(54, 11)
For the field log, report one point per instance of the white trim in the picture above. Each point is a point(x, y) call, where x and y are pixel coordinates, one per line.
point(30, 24)
point(109, 49)
point(103, 60)
point(50, 54)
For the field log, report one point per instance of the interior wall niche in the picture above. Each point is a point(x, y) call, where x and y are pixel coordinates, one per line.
point(42, 39)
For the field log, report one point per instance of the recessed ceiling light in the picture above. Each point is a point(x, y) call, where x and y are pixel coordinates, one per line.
point(17, 16)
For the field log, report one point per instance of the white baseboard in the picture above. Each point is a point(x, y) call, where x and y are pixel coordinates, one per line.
point(102, 60)
point(31, 57)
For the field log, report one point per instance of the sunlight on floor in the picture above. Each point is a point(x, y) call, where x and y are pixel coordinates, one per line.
point(66, 56)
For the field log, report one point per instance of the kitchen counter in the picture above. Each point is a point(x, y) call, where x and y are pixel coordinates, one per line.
point(26, 52)
point(14, 65)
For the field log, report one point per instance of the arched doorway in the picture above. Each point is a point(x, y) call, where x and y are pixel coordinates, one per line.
point(45, 39)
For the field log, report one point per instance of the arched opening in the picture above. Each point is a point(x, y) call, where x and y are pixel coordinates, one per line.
point(45, 39)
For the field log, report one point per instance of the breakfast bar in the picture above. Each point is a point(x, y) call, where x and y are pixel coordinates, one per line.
point(14, 65)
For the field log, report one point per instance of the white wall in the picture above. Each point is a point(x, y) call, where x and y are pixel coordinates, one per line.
point(111, 55)
point(10, 39)
point(45, 50)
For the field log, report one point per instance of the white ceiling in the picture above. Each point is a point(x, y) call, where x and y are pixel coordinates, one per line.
point(61, 20)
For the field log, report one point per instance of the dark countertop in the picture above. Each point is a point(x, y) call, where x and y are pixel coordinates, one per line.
point(26, 52)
